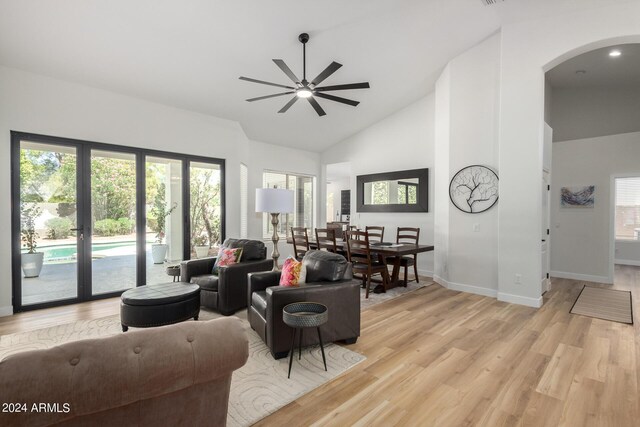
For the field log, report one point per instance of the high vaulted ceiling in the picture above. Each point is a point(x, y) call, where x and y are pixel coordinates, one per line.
point(189, 54)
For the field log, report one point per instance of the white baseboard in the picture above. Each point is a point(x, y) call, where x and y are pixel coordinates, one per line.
point(478, 290)
point(6, 311)
point(470, 289)
point(427, 273)
point(518, 299)
point(627, 262)
point(581, 277)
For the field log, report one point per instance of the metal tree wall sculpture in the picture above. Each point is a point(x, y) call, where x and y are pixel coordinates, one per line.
point(474, 189)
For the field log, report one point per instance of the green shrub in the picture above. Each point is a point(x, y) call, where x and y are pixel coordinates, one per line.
point(125, 225)
point(58, 228)
point(107, 227)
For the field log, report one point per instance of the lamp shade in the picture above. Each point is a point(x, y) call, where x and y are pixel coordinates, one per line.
point(274, 200)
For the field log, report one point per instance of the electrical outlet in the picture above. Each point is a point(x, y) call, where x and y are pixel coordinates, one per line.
point(476, 227)
point(518, 280)
point(444, 267)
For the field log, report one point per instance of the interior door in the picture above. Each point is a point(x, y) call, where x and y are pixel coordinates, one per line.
point(546, 235)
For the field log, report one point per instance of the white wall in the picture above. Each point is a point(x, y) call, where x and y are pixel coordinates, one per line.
point(627, 252)
point(37, 104)
point(402, 141)
point(580, 239)
point(587, 112)
point(282, 159)
point(467, 134)
point(528, 50)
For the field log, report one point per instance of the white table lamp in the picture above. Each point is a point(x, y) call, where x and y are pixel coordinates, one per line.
point(274, 201)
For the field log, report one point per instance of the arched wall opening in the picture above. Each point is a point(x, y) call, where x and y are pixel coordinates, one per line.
point(592, 104)
point(528, 50)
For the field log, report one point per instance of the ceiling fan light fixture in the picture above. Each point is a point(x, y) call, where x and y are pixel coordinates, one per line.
point(304, 93)
point(309, 90)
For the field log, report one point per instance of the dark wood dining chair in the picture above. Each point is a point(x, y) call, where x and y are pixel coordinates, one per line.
point(411, 236)
point(337, 227)
point(363, 261)
point(326, 239)
point(376, 233)
point(300, 240)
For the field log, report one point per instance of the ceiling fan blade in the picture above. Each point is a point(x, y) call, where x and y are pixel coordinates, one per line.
point(280, 63)
point(344, 87)
point(337, 99)
point(265, 83)
point(269, 96)
point(288, 105)
point(316, 106)
point(332, 68)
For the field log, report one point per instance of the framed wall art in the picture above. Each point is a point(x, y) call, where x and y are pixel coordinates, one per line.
point(577, 197)
point(474, 189)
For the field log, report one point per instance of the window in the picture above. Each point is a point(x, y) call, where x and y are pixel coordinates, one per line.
point(303, 188)
point(627, 208)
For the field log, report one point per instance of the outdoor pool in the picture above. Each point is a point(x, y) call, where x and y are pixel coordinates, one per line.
point(68, 252)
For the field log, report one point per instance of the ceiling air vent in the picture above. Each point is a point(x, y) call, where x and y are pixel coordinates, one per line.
point(490, 2)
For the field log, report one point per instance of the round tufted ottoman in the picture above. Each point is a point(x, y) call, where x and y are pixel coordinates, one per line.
point(299, 315)
point(157, 305)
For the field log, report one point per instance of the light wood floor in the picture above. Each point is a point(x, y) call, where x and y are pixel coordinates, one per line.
point(439, 357)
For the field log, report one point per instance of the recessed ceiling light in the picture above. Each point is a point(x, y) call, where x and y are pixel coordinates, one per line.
point(615, 53)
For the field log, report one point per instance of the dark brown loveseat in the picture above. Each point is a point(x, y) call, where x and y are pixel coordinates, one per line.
point(226, 292)
point(329, 282)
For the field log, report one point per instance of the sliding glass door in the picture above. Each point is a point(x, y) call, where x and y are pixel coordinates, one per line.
point(164, 231)
point(205, 209)
point(113, 217)
point(48, 217)
point(92, 220)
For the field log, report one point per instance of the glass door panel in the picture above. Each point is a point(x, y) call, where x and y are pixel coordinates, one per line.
point(205, 212)
point(48, 217)
point(164, 237)
point(113, 219)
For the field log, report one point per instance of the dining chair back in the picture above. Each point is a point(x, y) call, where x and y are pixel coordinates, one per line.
point(409, 235)
point(326, 239)
point(300, 240)
point(376, 233)
point(364, 261)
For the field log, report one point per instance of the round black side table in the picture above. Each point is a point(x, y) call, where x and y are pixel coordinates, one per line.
point(300, 315)
point(174, 271)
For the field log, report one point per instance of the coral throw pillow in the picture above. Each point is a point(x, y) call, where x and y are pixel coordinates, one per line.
point(226, 257)
point(293, 273)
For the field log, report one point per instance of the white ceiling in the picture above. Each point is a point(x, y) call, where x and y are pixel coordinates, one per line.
point(189, 54)
point(597, 68)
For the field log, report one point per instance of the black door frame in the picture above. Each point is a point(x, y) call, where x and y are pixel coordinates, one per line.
point(83, 200)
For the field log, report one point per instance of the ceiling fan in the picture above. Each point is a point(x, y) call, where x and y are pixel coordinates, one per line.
point(305, 89)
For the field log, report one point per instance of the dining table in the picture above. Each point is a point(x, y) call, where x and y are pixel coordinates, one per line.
point(386, 251)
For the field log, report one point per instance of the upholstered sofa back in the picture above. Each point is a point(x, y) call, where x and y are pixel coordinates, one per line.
point(323, 266)
point(252, 250)
point(173, 375)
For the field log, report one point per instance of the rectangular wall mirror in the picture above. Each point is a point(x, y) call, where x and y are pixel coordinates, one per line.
point(400, 191)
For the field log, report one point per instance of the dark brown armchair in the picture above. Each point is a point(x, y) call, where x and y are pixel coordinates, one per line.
point(329, 282)
point(226, 292)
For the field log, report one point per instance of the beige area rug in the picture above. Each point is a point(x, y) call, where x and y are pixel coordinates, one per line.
point(258, 389)
point(607, 304)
